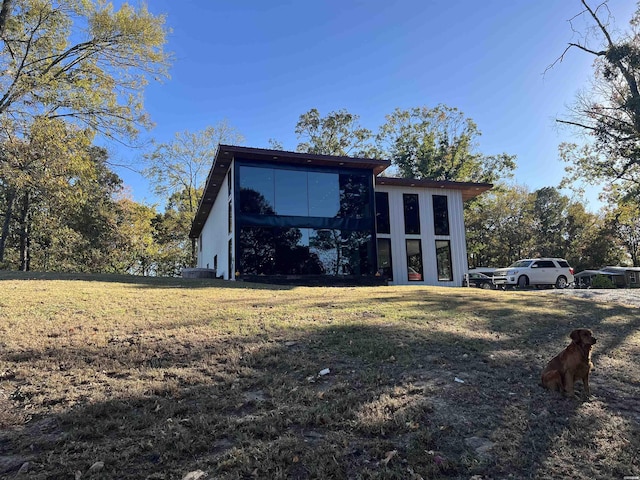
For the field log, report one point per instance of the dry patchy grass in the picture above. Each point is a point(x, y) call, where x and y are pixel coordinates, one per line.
point(117, 377)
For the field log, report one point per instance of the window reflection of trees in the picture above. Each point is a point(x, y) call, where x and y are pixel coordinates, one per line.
point(306, 251)
point(276, 251)
point(443, 260)
point(342, 252)
point(354, 196)
point(254, 202)
point(284, 251)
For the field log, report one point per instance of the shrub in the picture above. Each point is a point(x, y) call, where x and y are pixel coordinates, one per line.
point(602, 281)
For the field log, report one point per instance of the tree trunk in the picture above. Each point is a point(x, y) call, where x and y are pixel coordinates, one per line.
point(25, 234)
point(8, 214)
point(5, 13)
point(194, 258)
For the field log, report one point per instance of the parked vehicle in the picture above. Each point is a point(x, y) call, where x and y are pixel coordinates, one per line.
point(414, 276)
point(535, 271)
point(479, 280)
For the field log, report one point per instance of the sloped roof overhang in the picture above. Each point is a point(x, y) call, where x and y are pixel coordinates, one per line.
point(469, 189)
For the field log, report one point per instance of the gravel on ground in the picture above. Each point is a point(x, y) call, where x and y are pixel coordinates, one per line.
point(621, 296)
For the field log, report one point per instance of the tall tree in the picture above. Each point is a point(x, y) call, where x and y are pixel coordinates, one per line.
point(174, 247)
point(590, 240)
point(339, 133)
point(137, 250)
point(510, 223)
point(624, 220)
point(499, 227)
point(439, 143)
point(36, 170)
point(181, 166)
point(549, 228)
point(80, 60)
point(608, 114)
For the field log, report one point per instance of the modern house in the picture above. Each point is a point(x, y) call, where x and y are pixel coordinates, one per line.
point(273, 215)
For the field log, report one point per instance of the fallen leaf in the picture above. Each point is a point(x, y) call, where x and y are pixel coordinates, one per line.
point(195, 475)
point(388, 456)
point(96, 467)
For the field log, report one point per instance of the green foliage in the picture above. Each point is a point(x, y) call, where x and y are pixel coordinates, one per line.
point(549, 222)
point(602, 281)
point(36, 174)
point(609, 114)
point(81, 60)
point(439, 143)
point(137, 249)
point(499, 226)
point(339, 133)
point(623, 219)
point(71, 68)
point(179, 169)
point(183, 164)
point(590, 241)
point(171, 235)
point(509, 223)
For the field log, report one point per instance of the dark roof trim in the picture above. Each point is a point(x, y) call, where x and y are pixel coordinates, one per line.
point(262, 154)
point(469, 189)
point(226, 153)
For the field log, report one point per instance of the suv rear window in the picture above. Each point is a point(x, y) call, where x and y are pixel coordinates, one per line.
point(563, 264)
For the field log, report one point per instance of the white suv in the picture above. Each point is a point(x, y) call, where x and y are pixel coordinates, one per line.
point(535, 271)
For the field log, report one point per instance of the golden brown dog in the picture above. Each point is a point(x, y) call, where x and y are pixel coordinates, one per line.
point(573, 363)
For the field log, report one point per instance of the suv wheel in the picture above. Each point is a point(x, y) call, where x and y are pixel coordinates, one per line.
point(523, 281)
point(561, 282)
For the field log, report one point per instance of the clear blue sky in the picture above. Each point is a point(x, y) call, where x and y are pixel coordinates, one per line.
point(261, 64)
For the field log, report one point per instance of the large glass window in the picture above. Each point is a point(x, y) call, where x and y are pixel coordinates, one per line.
point(382, 213)
point(304, 251)
point(414, 261)
point(440, 215)
point(257, 190)
point(291, 194)
point(324, 194)
point(354, 196)
point(384, 258)
point(443, 260)
point(411, 213)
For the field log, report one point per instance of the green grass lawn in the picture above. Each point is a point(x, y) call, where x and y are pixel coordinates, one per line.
point(121, 377)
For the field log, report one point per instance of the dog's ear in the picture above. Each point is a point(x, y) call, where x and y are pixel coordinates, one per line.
point(575, 335)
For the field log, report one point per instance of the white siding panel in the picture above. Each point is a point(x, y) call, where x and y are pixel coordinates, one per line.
point(215, 234)
point(457, 235)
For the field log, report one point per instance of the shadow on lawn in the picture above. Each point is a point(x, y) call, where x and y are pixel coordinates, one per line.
point(141, 281)
point(249, 407)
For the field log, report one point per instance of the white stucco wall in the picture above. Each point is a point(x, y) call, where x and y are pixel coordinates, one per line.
point(215, 236)
point(427, 236)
